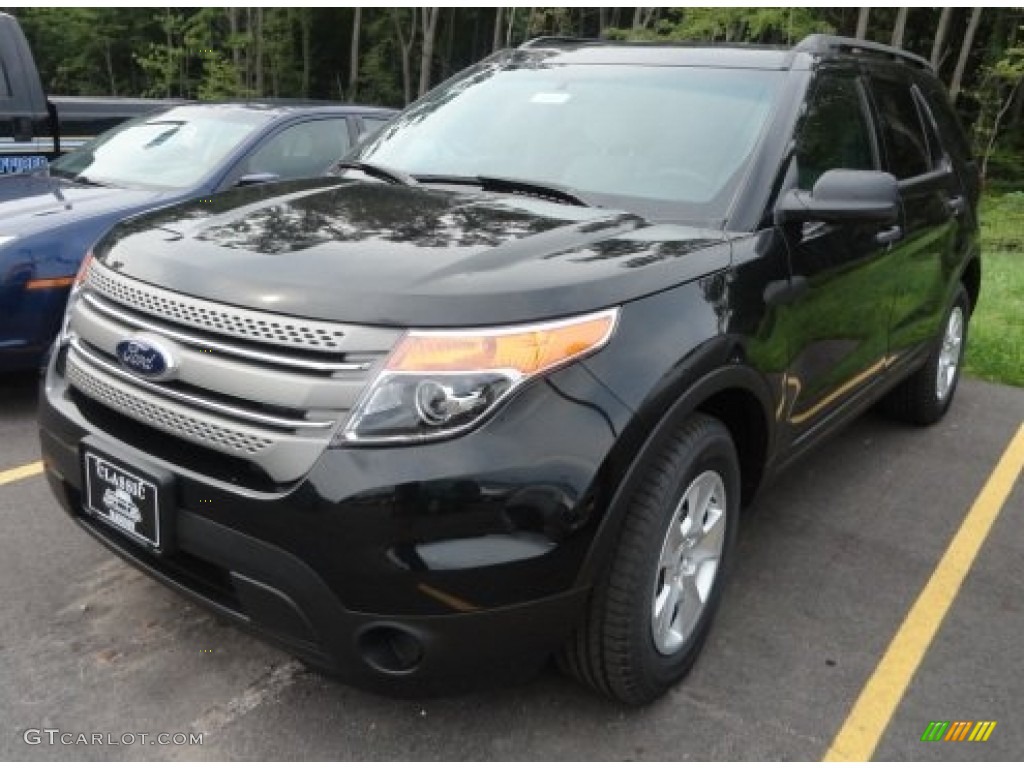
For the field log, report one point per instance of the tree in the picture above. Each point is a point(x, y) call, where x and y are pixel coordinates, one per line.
point(862, 23)
point(940, 37)
point(162, 62)
point(642, 17)
point(353, 69)
point(257, 37)
point(406, 43)
point(217, 77)
point(731, 24)
point(499, 14)
point(233, 38)
point(965, 51)
point(428, 18)
point(899, 28)
point(1001, 85)
point(306, 25)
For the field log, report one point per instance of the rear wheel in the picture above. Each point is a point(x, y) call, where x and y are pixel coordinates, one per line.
point(927, 394)
point(651, 612)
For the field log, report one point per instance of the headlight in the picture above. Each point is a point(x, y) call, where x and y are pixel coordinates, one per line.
point(441, 383)
point(73, 296)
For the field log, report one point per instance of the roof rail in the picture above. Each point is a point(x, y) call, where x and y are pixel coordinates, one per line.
point(835, 44)
point(540, 42)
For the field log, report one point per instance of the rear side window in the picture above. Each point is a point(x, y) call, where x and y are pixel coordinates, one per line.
point(905, 143)
point(945, 117)
point(936, 152)
point(835, 133)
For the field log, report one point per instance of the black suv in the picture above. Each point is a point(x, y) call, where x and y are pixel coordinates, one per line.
point(500, 387)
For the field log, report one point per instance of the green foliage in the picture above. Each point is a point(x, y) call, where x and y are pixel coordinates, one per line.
point(1001, 81)
point(88, 51)
point(380, 71)
point(996, 347)
point(995, 350)
point(731, 24)
point(547, 21)
point(1002, 222)
point(162, 62)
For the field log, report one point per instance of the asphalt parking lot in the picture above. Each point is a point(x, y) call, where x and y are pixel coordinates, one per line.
point(831, 560)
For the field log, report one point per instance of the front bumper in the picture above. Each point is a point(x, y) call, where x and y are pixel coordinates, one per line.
point(28, 324)
point(407, 570)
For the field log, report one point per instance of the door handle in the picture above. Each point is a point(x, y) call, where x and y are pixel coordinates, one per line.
point(890, 235)
point(956, 205)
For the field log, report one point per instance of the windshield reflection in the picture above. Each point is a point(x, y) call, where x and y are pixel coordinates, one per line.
point(171, 150)
point(627, 133)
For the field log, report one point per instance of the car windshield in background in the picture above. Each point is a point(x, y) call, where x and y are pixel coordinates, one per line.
point(615, 134)
point(169, 150)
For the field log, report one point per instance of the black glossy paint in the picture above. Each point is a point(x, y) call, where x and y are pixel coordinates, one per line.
point(484, 546)
point(392, 255)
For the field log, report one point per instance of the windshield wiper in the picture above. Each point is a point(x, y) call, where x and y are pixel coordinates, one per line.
point(378, 171)
point(512, 186)
point(83, 179)
point(525, 187)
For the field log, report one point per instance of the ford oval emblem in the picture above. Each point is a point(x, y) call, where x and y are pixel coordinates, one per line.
point(147, 358)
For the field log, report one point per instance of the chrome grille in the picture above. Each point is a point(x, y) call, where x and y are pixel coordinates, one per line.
point(217, 318)
point(267, 388)
point(178, 422)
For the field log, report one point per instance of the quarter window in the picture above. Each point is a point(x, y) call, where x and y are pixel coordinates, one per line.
point(905, 143)
point(835, 132)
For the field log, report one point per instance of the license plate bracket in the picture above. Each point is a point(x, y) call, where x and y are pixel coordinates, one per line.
point(129, 496)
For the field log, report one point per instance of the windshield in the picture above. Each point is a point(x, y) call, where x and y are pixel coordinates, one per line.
point(169, 150)
point(620, 135)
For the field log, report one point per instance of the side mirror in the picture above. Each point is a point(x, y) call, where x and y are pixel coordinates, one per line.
point(843, 195)
point(256, 178)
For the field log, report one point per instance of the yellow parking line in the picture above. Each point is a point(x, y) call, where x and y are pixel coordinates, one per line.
point(20, 473)
point(870, 716)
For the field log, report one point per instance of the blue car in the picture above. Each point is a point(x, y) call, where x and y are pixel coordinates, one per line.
point(49, 220)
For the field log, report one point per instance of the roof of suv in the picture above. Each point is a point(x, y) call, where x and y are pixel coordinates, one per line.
point(566, 50)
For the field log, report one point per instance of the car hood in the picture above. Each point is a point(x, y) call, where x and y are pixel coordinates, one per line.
point(32, 203)
point(383, 254)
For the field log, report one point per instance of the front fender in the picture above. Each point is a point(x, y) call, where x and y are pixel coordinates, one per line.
point(693, 360)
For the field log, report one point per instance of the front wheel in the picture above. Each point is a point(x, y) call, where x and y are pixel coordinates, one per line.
point(649, 615)
point(926, 395)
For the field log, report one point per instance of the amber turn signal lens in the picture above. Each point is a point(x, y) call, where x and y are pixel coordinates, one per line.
point(45, 283)
point(526, 349)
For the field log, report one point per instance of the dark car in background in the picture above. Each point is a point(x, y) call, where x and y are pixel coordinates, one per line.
point(48, 220)
point(501, 388)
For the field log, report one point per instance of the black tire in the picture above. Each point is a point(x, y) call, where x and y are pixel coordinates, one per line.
point(614, 650)
point(917, 399)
